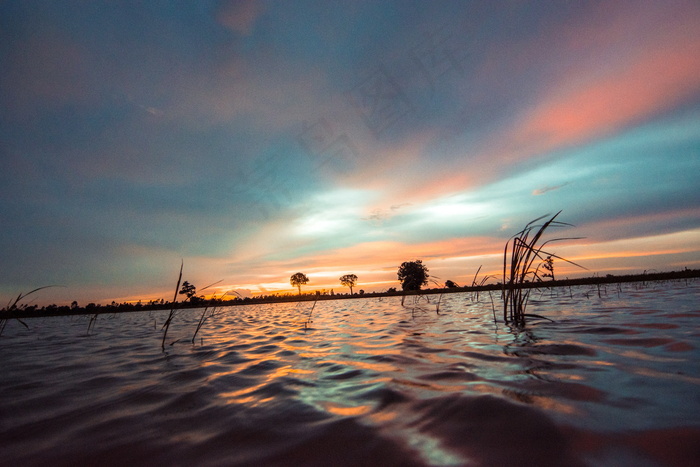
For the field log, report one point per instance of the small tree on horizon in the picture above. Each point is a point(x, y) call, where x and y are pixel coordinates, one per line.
point(188, 289)
point(349, 280)
point(548, 264)
point(451, 284)
point(298, 279)
point(413, 275)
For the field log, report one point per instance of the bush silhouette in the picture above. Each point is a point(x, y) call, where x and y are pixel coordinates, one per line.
point(413, 275)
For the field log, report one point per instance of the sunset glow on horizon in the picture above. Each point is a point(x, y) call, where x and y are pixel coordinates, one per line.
point(256, 139)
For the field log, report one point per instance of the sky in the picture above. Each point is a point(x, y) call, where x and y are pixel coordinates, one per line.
point(251, 140)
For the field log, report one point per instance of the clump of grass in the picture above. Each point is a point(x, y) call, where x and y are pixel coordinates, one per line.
point(526, 257)
point(15, 306)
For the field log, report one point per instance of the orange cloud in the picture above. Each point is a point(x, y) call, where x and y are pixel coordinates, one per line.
point(619, 226)
point(632, 254)
point(457, 259)
point(376, 264)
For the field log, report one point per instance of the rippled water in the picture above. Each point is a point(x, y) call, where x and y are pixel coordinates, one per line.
point(615, 380)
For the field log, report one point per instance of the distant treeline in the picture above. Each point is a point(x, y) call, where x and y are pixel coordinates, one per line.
point(28, 311)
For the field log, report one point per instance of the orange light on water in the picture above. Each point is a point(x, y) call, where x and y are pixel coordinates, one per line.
point(347, 411)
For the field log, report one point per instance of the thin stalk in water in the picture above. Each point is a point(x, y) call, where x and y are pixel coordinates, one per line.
point(171, 315)
point(205, 316)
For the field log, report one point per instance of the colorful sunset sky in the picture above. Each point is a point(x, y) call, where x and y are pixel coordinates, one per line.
point(256, 139)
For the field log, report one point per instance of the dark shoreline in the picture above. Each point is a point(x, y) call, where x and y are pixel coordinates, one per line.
point(93, 309)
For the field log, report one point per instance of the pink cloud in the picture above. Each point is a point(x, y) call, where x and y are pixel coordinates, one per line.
point(645, 63)
point(380, 259)
point(616, 67)
point(652, 84)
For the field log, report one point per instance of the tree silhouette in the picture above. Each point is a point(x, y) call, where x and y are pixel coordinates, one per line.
point(349, 280)
point(549, 266)
point(451, 284)
point(413, 275)
point(188, 289)
point(298, 279)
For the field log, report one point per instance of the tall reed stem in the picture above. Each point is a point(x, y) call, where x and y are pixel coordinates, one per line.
point(171, 315)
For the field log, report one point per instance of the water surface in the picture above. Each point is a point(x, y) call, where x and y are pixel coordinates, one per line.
point(614, 380)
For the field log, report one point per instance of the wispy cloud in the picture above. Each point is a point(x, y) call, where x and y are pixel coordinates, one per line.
point(545, 189)
point(378, 215)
